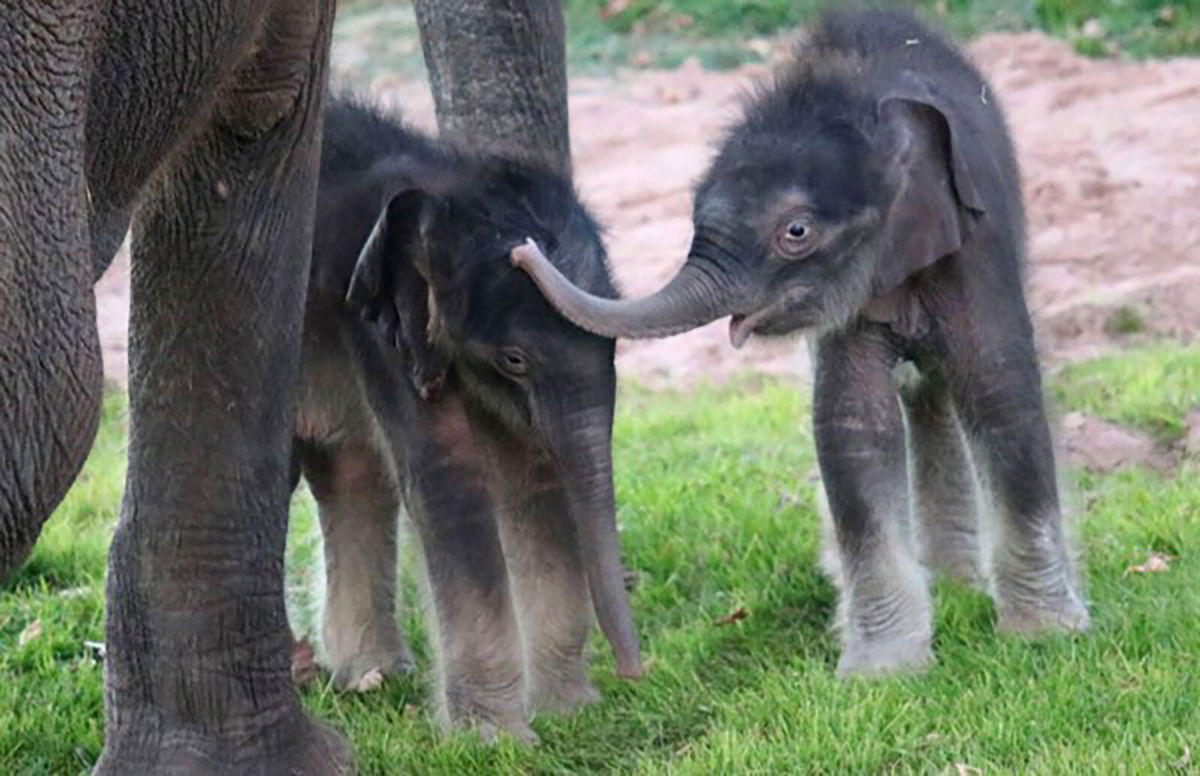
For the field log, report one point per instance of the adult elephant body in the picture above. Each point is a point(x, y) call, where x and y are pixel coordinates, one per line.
point(201, 121)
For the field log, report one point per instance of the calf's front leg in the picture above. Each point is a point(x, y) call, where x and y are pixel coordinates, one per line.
point(481, 672)
point(553, 602)
point(885, 614)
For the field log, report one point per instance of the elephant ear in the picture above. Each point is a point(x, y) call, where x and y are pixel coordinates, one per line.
point(938, 201)
point(390, 285)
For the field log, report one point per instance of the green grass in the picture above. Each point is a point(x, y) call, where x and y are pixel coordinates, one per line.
point(1140, 28)
point(375, 37)
point(51, 703)
point(662, 28)
point(716, 514)
point(1151, 388)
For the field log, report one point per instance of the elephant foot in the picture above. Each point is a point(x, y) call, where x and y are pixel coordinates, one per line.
point(558, 695)
point(301, 748)
point(1038, 600)
point(957, 558)
point(883, 657)
point(490, 732)
point(491, 713)
point(1065, 615)
point(887, 634)
point(366, 671)
point(885, 616)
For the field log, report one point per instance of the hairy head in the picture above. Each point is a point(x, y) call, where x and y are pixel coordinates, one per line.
point(866, 160)
point(434, 271)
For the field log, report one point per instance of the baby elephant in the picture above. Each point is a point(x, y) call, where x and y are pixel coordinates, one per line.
point(437, 378)
point(870, 199)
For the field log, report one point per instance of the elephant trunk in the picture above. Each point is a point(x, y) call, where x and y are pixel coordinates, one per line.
point(588, 470)
point(691, 299)
point(51, 371)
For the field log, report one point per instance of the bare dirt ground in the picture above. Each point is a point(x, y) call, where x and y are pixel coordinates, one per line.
point(1112, 183)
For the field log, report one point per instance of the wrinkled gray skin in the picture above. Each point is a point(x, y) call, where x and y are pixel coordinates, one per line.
point(213, 156)
point(473, 404)
point(870, 199)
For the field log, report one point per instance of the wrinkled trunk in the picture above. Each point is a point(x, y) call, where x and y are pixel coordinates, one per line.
point(50, 389)
point(692, 298)
point(499, 77)
point(587, 471)
point(50, 368)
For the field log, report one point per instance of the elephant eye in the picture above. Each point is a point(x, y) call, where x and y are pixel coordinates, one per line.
point(512, 361)
point(797, 239)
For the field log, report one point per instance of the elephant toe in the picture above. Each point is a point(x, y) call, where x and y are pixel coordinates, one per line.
point(366, 673)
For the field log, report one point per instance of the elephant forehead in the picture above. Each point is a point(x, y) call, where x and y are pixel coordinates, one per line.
point(502, 296)
point(830, 165)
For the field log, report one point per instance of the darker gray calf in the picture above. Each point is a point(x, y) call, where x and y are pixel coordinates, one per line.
point(467, 399)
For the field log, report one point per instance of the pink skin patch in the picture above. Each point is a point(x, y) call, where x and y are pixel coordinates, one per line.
point(304, 662)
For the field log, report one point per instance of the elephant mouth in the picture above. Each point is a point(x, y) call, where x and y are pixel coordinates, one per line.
point(779, 318)
point(761, 321)
point(742, 326)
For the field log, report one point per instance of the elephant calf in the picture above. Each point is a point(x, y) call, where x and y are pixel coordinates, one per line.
point(436, 377)
point(870, 198)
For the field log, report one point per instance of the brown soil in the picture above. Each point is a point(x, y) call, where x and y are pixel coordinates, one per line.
point(1100, 446)
point(1112, 182)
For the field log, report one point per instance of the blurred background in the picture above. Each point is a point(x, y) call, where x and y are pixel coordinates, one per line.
point(379, 36)
point(1102, 99)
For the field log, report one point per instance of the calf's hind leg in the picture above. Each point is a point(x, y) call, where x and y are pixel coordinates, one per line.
point(998, 394)
point(359, 505)
point(942, 480)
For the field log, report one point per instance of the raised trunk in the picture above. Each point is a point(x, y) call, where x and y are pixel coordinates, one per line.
point(499, 77)
point(692, 298)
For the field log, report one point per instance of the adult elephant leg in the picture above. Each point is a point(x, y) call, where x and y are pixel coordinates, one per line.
point(481, 677)
point(197, 672)
point(885, 613)
point(499, 76)
point(50, 368)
